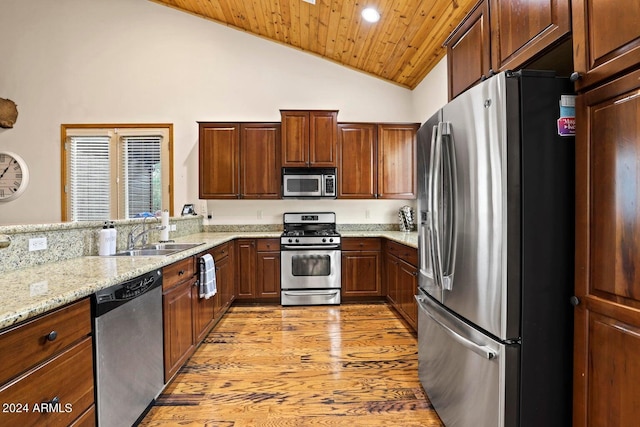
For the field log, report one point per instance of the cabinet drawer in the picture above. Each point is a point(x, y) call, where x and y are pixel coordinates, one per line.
point(30, 343)
point(177, 272)
point(268, 245)
point(361, 244)
point(403, 252)
point(66, 382)
point(220, 251)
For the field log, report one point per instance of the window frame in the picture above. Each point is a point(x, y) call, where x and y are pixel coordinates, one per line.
point(68, 130)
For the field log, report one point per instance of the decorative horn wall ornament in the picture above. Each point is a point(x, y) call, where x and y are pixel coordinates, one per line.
point(8, 113)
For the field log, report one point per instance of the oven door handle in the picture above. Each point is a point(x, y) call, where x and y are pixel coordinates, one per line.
point(306, 247)
point(307, 293)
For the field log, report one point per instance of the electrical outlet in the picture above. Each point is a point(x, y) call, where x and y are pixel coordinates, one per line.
point(260, 214)
point(38, 244)
point(172, 227)
point(367, 214)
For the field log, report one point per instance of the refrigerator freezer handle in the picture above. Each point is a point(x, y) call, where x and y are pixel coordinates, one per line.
point(484, 351)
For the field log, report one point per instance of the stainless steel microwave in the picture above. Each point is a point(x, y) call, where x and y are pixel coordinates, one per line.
point(305, 183)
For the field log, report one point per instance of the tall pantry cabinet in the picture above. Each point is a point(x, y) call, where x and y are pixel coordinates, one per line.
point(606, 40)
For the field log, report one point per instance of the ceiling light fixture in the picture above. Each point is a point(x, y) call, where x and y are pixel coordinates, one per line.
point(370, 14)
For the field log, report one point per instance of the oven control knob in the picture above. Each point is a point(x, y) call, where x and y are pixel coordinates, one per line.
point(290, 240)
point(331, 240)
point(297, 240)
point(324, 240)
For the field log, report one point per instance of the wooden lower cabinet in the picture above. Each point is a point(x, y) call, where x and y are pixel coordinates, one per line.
point(401, 276)
point(52, 383)
point(258, 270)
point(361, 268)
point(178, 326)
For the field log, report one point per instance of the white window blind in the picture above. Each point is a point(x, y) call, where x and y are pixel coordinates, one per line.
point(90, 175)
point(142, 174)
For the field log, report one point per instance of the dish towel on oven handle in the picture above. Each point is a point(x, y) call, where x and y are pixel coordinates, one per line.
point(207, 277)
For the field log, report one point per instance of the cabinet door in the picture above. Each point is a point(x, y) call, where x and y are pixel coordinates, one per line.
point(268, 277)
point(357, 171)
point(246, 268)
point(391, 274)
point(178, 326)
point(407, 283)
point(607, 319)
point(397, 161)
point(469, 51)
point(323, 138)
point(203, 314)
point(606, 38)
point(361, 274)
point(219, 173)
point(295, 138)
point(521, 29)
point(260, 160)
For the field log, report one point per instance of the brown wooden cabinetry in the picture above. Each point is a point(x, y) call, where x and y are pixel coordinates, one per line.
point(219, 167)
point(239, 160)
point(377, 160)
point(500, 35)
point(258, 269)
point(178, 291)
point(268, 269)
point(48, 361)
point(607, 319)
point(469, 51)
point(522, 29)
point(309, 138)
point(361, 268)
point(402, 280)
point(606, 38)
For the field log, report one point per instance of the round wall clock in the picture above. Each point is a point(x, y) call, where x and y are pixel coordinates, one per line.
point(14, 176)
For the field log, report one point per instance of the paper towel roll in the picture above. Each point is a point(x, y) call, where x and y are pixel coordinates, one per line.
point(164, 233)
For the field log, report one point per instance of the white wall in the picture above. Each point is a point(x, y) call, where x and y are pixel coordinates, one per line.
point(431, 94)
point(134, 61)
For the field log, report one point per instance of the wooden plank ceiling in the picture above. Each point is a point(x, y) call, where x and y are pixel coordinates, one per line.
point(402, 47)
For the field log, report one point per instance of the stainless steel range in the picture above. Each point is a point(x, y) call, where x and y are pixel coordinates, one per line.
point(310, 259)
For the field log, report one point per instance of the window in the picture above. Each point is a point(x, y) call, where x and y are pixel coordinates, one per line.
point(115, 172)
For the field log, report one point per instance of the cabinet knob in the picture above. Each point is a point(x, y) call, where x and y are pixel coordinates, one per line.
point(51, 336)
point(575, 76)
point(574, 300)
point(181, 273)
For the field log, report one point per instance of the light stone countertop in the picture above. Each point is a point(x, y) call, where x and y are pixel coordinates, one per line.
point(31, 291)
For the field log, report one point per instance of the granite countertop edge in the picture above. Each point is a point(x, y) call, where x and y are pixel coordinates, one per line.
point(29, 292)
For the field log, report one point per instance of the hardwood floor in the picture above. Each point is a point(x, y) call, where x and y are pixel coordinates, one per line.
point(347, 365)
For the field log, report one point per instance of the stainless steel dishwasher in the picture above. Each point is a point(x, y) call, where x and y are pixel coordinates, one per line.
point(128, 349)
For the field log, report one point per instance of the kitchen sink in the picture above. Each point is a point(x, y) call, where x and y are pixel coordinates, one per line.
point(158, 249)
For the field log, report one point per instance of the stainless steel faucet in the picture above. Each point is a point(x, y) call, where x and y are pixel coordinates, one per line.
point(144, 234)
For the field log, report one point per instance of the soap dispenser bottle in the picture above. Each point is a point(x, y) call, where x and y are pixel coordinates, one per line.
point(104, 244)
point(113, 238)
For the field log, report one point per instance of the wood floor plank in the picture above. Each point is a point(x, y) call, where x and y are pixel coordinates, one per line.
point(347, 365)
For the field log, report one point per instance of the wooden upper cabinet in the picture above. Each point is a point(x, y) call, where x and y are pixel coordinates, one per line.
point(219, 150)
point(469, 51)
point(397, 161)
point(357, 156)
point(607, 319)
point(606, 38)
point(260, 160)
point(309, 138)
point(522, 29)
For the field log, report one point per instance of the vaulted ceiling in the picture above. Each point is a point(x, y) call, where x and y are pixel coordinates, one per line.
point(402, 47)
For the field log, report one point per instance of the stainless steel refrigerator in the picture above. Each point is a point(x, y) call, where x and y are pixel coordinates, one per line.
point(496, 220)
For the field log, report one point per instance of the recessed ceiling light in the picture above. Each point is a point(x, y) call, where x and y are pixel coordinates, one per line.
point(370, 14)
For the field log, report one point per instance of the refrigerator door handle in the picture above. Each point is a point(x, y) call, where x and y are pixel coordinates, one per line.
point(449, 171)
point(434, 201)
point(482, 350)
point(431, 267)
